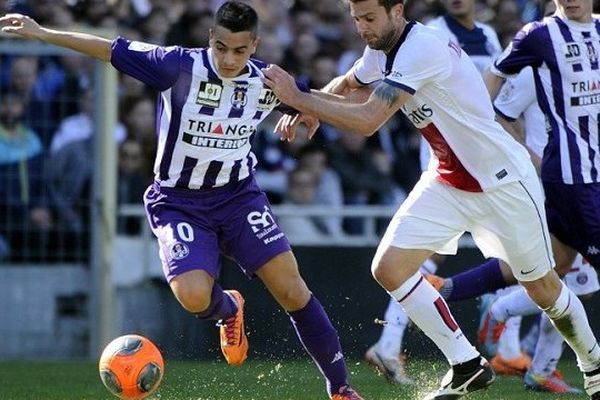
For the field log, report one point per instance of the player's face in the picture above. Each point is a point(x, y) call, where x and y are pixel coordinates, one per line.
point(459, 8)
point(231, 50)
point(576, 10)
point(374, 24)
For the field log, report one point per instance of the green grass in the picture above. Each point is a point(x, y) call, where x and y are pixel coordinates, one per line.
point(254, 380)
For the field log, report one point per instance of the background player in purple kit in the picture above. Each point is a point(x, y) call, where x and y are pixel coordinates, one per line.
point(204, 201)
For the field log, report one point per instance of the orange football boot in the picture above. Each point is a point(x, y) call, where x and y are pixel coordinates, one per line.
point(234, 343)
point(346, 393)
point(514, 366)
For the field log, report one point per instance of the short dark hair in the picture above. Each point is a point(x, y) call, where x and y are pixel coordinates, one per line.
point(387, 4)
point(237, 17)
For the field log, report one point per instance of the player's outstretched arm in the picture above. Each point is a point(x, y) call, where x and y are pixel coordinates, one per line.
point(84, 43)
point(363, 118)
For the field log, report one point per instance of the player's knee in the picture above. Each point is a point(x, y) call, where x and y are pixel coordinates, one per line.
point(382, 271)
point(193, 299)
point(294, 295)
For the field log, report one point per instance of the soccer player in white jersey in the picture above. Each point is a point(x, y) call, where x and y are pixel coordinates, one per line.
point(481, 44)
point(483, 182)
point(204, 201)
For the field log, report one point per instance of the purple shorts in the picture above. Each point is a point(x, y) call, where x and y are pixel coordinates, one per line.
point(194, 227)
point(573, 213)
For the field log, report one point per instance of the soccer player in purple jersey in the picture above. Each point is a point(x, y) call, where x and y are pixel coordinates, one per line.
point(482, 181)
point(204, 201)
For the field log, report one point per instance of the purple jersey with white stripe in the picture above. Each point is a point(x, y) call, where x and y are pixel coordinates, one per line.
point(205, 123)
point(565, 58)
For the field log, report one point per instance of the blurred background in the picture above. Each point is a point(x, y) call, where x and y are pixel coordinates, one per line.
point(78, 265)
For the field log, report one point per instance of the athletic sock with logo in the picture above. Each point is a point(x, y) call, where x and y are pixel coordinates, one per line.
point(320, 339)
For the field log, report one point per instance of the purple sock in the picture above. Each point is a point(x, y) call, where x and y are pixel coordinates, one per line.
point(222, 306)
point(476, 281)
point(319, 338)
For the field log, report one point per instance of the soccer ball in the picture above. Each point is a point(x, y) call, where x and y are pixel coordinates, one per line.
point(131, 367)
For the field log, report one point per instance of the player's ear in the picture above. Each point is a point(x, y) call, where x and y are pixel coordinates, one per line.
point(211, 35)
point(397, 11)
point(255, 44)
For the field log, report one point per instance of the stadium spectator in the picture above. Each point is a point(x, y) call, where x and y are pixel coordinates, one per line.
point(204, 200)
point(301, 190)
point(314, 158)
point(69, 170)
point(362, 180)
point(133, 181)
point(496, 174)
point(25, 217)
point(138, 116)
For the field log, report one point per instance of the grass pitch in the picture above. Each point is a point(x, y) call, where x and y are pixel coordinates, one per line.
point(255, 380)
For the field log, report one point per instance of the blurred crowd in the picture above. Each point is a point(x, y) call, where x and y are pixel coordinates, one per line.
point(47, 114)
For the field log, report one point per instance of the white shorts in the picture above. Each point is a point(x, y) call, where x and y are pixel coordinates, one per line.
point(582, 279)
point(507, 222)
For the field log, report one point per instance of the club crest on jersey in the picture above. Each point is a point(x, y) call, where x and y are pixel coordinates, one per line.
point(266, 100)
point(239, 98)
point(209, 94)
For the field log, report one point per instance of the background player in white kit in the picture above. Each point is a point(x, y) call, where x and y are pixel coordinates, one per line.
point(484, 180)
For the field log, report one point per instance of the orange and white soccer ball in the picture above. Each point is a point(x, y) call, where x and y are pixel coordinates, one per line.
point(131, 367)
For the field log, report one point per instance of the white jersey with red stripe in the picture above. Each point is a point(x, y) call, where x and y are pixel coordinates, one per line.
point(450, 106)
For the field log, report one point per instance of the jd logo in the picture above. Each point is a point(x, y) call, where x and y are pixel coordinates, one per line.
point(260, 220)
point(266, 99)
point(209, 94)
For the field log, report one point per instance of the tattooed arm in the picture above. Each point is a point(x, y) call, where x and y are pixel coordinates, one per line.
point(364, 118)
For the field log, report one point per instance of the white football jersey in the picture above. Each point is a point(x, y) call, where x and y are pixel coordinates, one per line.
point(450, 106)
point(517, 96)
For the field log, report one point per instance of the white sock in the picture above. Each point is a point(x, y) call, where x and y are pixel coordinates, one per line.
point(390, 341)
point(428, 310)
point(509, 346)
point(569, 318)
point(514, 304)
point(548, 350)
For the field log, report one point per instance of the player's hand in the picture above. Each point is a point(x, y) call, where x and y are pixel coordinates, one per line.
point(20, 25)
point(281, 83)
point(287, 126)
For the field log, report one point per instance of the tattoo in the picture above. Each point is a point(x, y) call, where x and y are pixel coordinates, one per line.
point(387, 93)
